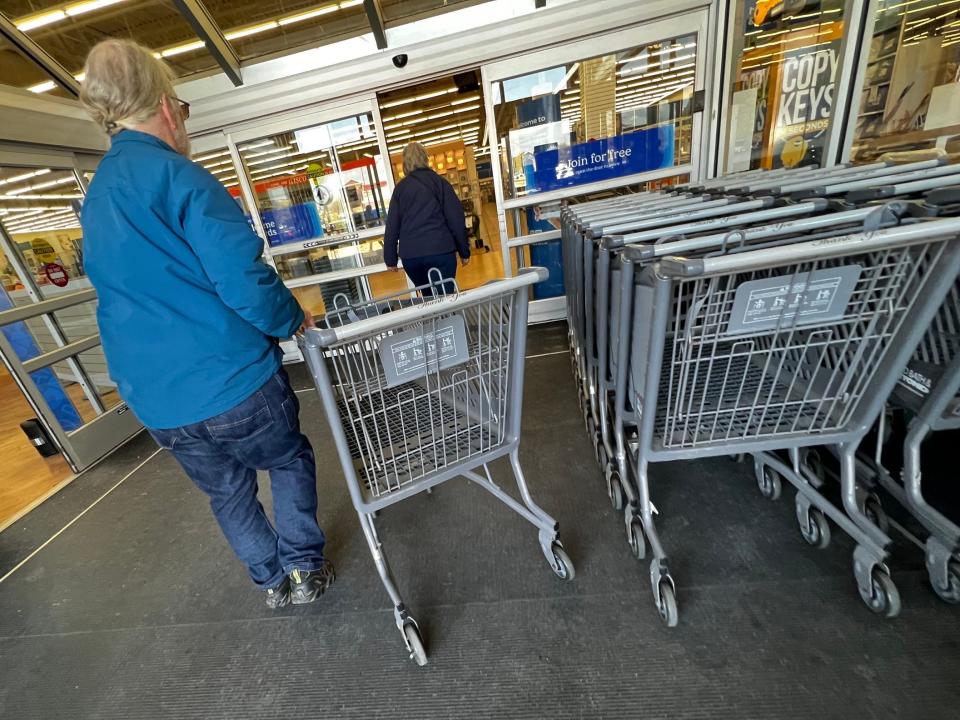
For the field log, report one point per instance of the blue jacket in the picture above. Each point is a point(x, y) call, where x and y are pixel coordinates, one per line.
point(425, 218)
point(187, 308)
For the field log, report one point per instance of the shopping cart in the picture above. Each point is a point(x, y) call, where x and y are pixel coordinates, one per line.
point(418, 392)
point(778, 349)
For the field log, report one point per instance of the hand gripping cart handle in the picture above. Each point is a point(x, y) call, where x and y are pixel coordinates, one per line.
point(423, 393)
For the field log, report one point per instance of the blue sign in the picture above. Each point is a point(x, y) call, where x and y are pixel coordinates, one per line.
point(292, 224)
point(18, 335)
point(635, 152)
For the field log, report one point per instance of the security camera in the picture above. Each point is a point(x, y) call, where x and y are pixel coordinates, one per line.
point(400, 60)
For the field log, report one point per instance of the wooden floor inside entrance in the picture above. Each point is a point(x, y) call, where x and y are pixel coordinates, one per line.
point(26, 479)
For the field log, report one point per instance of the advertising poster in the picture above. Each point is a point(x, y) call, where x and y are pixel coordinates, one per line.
point(555, 165)
point(804, 104)
point(742, 118)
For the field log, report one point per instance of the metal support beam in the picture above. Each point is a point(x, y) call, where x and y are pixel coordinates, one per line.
point(375, 18)
point(207, 30)
point(38, 55)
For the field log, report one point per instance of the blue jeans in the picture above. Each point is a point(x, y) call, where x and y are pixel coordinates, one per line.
point(418, 270)
point(222, 455)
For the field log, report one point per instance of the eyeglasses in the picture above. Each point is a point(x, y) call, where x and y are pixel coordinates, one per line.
point(184, 108)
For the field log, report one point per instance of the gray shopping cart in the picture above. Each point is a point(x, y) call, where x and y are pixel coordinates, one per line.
point(421, 391)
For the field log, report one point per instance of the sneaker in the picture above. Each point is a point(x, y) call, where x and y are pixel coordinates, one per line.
point(279, 596)
point(305, 587)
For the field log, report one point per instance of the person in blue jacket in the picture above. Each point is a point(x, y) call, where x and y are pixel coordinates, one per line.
point(425, 223)
point(190, 316)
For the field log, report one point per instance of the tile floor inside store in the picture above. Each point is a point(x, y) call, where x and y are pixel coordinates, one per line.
point(26, 478)
point(138, 609)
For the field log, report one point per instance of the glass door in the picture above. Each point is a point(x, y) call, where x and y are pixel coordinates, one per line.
point(319, 184)
point(49, 339)
point(595, 117)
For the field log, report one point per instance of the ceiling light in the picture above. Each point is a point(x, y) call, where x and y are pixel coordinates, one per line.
point(43, 87)
point(300, 17)
point(211, 156)
point(180, 49)
point(252, 146)
point(252, 30)
point(40, 197)
point(33, 22)
point(25, 176)
point(350, 3)
point(79, 8)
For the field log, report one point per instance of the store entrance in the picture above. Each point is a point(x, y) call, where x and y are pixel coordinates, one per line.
point(446, 115)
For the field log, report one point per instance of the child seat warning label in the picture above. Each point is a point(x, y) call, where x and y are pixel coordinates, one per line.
point(436, 345)
point(793, 300)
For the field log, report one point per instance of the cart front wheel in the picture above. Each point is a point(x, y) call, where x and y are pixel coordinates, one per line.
point(614, 489)
point(770, 483)
point(884, 597)
point(562, 565)
point(417, 652)
point(816, 530)
point(638, 542)
point(950, 593)
point(668, 604)
point(875, 512)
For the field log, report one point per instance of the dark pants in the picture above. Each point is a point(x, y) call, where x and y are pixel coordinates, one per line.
point(418, 270)
point(222, 455)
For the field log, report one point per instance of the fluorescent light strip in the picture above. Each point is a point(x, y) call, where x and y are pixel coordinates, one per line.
point(45, 86)
point(211, 156)
point(664, 51)
point(308, 15)
point(42, 186)
point(251, 30)
point(41, 197)
point(25, 176)
point(417, 98)
point(394, 135)
point(436, 116)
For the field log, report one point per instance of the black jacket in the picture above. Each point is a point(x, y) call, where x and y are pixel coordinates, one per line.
point(425, 218)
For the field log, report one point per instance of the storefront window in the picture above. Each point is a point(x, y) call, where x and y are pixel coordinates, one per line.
point(322, 196)
point(39, 214)
point(600, 118)
point(785, 70)
point(911, 90)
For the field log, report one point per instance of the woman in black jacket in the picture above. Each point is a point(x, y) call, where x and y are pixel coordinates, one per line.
point(425, 225)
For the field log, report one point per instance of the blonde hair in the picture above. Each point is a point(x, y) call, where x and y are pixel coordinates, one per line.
point(123, 84)
point(414, 157)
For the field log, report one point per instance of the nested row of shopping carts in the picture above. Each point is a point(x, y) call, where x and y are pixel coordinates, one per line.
point(776, 314)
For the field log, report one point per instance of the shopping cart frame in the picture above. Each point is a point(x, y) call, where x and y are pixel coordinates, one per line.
point(658, 280)
point(327, 346)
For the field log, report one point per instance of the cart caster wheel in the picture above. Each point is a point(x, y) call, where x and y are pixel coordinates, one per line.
point(417, 652)
point(668, 604)
point(638, 541)
point(884, 598)
point(601, 452)
point(814, 465)
point(769, 483)
point(816, 531)
point(614, 488)
point(875, 512)
point(563, 566)
point(951, 593)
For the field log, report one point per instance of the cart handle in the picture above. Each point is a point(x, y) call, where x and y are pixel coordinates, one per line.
point(327, 337)
point(681, 267)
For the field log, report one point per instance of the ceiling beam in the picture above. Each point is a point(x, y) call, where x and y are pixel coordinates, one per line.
point(375, 18)
point(212, 35)
point(38, 55)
